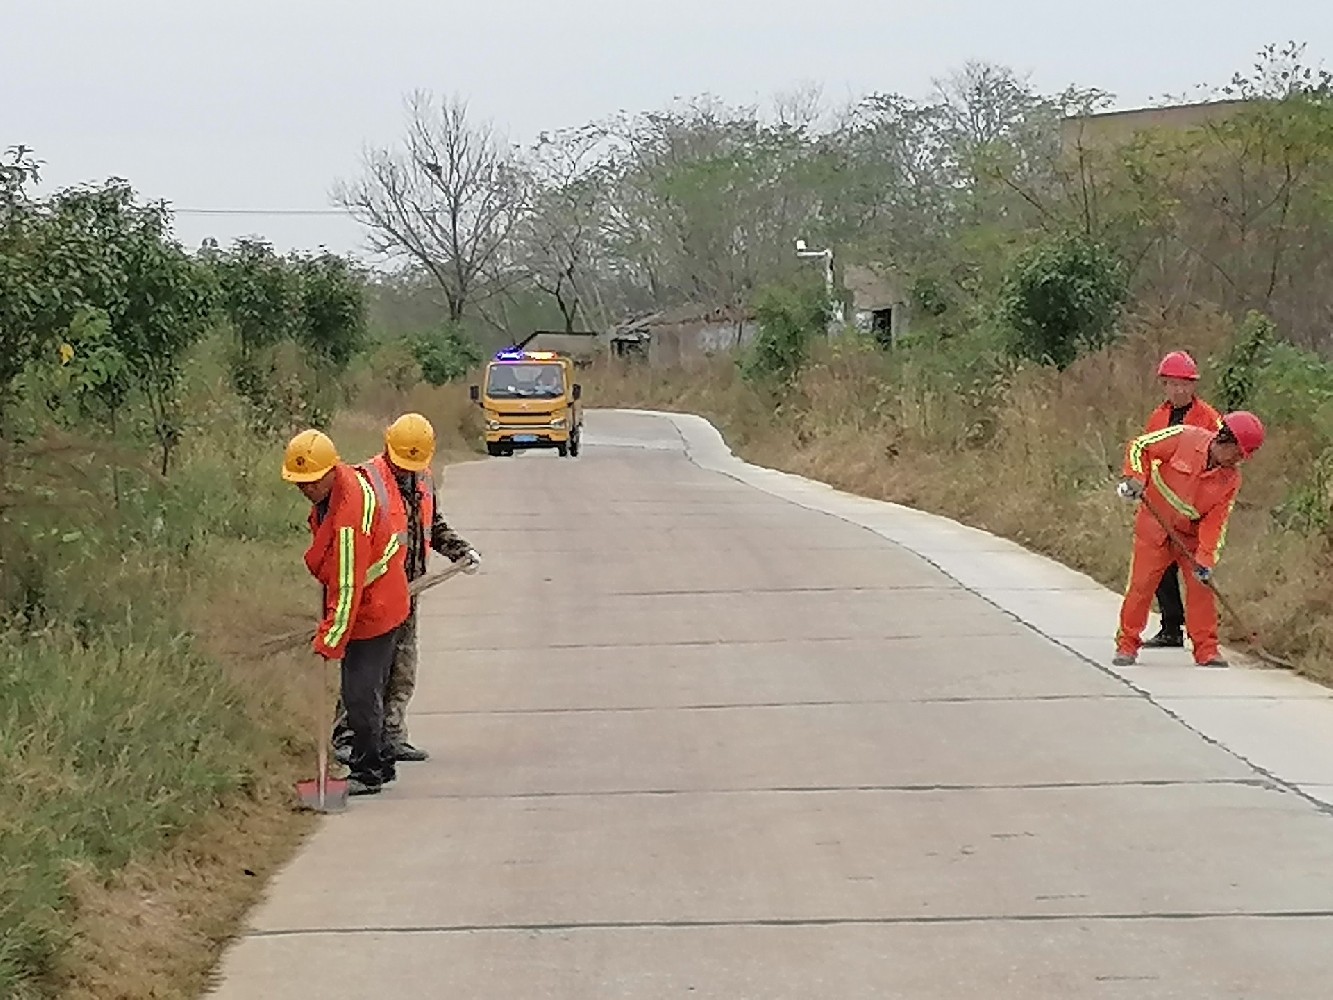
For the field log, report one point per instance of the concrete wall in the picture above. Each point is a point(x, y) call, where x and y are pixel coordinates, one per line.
point(1119, 127)
point(687, 344)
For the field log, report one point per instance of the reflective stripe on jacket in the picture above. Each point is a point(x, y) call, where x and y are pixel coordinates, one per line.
point(1193, 499)
point(359, 562)
point(380, 474)
point(388, 484)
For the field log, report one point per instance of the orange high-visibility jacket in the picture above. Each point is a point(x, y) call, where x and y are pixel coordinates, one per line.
point(1194, 499)
point(380, 474)
point(1200, 414)
point(359, 560)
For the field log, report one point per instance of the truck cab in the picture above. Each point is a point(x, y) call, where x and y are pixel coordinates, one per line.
point(529, 399)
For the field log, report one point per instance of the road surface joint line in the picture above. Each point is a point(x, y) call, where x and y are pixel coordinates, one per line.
point(622, 644)
point(736, 706)
point(404, 794)
point(1165, 916)
point(1324, 808)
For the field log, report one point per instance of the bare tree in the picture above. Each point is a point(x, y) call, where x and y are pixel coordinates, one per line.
point(559, 235)
point(448, 198)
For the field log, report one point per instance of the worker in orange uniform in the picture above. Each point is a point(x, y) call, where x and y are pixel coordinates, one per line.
point(1179, 376)
point(358, 559)
point(1189, 477)
point(400, 476)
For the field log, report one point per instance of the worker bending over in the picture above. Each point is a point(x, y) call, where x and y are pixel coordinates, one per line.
point(401, 479)
point(359, 561)
point(1187, 477)
point(1179, 376)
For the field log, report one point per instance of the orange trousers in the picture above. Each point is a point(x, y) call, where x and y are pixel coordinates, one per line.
point(1150, 560)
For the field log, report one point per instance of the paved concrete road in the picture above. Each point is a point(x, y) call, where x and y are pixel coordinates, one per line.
point(692, 740)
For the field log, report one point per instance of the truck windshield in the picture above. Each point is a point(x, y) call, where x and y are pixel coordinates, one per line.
point(531, 381)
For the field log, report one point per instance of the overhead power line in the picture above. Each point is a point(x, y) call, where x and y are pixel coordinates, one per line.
point(261, 211)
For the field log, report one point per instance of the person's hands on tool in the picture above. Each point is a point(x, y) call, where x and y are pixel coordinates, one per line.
point(1203, 574)
point(471, 561)
point(1130, 490)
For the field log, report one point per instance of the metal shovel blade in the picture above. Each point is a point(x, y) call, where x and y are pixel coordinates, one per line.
point(327, 795)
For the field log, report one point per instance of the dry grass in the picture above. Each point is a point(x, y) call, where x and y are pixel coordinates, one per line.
point(1029, 455)
point(146, 909)
point(157, 927)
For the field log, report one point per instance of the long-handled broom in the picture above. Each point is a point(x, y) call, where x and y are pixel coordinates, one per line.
point(322, 793)
point(295, 638)
point(1252, 637)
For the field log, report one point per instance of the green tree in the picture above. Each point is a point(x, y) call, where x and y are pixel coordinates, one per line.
point(1061, 298)
point(260, 295)
point(445, 354)
point(1245, 361)
point(124, 296)
point(52, 263)
point(789, 320)
point(331, 321)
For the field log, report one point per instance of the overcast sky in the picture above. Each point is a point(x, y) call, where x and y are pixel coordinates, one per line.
point(242, 104)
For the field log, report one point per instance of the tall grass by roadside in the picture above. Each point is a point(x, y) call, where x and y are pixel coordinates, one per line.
point(1031, 453)
point(146, 749)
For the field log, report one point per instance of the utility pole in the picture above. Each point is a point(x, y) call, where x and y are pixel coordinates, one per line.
point(835, 301)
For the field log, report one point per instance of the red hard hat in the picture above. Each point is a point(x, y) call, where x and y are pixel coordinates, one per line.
point(1247, 429)
point(1178, 364)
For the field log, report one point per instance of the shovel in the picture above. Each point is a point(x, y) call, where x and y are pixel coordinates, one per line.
point(322, 793)
point(1252, 636)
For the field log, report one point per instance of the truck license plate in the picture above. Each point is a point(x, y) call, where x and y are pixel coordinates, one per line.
point(525, 438)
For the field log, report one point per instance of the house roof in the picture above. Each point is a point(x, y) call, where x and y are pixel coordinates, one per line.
point(686, 315)
point(871, 286)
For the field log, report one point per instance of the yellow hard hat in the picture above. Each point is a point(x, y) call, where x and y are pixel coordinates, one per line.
point(410, 441)
point(309, 456)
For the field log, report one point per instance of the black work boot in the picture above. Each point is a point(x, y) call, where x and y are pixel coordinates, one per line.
point(364, 784)
point(1166, 639)
point(407, 752)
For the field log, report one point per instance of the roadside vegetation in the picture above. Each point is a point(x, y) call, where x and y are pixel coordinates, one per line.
point(147, 546)
point(1044, 282)
point(1032, 453)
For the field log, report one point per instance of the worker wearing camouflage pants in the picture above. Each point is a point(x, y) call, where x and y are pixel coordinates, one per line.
point(401, 479)
point(398, 691)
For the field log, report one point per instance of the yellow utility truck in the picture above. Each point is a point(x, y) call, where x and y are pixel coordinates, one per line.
point(530, 400)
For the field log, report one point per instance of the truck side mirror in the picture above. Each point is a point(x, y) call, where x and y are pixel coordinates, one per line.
point(475, 393)
point(578, 391)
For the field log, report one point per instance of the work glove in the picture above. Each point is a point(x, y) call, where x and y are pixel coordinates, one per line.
point(1203, 574)
point(471, 561)
point(1130, 490)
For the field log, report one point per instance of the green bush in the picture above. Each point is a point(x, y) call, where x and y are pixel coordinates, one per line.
point(789, 320)
point(445, 354)
point(1061, 299)
point(1243, 363)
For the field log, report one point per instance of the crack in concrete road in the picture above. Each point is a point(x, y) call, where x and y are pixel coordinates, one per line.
point(750, 705)
point(730, 643)
point(910, 789)
point(1165, 916)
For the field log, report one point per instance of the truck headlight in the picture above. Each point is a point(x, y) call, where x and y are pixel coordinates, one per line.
point(558, 422)
point(492, 425)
